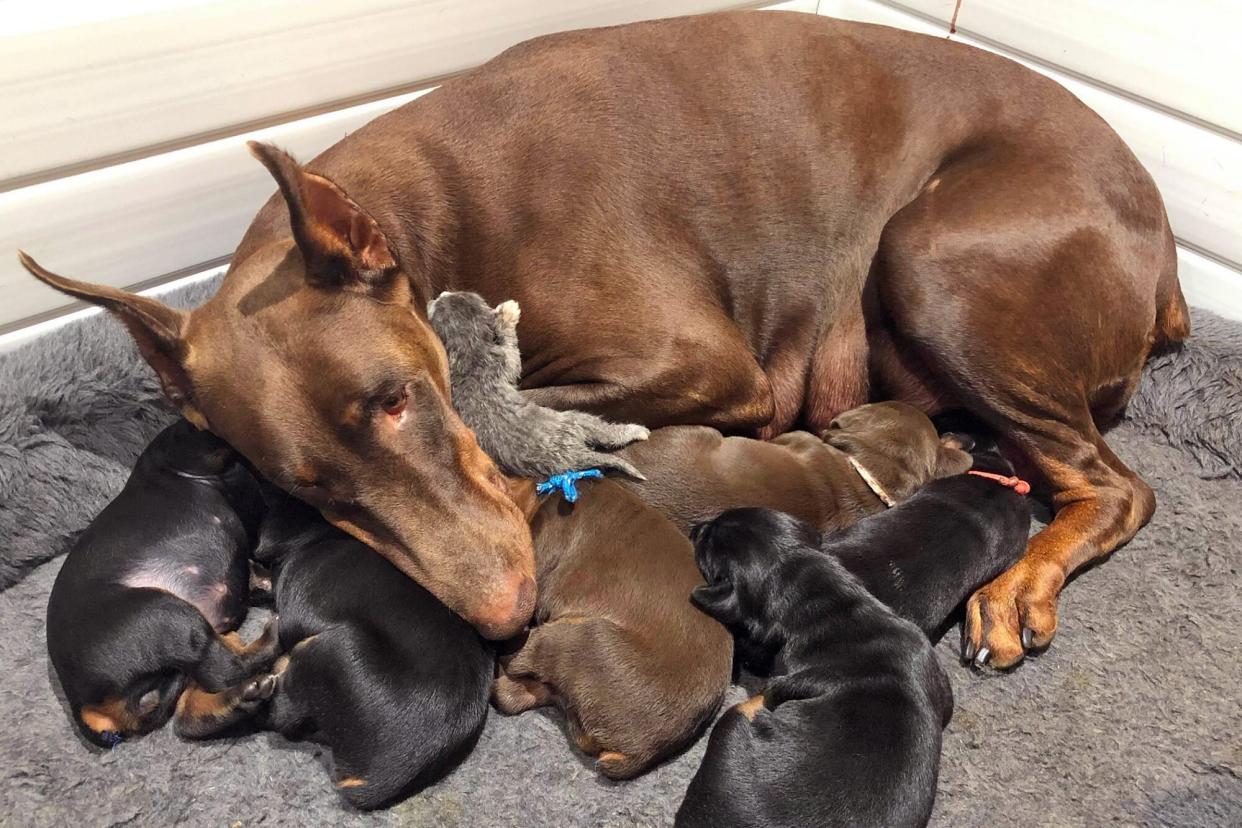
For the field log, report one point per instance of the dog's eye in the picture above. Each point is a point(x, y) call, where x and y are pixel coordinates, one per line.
point(395, 402)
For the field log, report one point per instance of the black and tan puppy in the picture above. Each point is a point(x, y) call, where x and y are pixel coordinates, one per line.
point(637, 669)
point(871, 457)
point(847, 732)
point(147, 602)
point(926, 556)
point(375, 667)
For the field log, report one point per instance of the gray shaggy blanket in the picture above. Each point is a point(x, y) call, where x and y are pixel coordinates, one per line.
point(1131, 718)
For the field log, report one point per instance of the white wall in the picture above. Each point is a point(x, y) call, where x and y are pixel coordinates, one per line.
point(1166, 75)
point(122, 125)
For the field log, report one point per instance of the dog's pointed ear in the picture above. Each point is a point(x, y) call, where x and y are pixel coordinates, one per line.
point(952, 459)
point(718, 600)
point(158, 330)
point(342, 245)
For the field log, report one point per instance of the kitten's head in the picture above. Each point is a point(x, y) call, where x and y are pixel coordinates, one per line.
point(477, 336)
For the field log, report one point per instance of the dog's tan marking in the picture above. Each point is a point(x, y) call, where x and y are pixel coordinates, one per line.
point(750, 707)
point(196, 703)
point(109, 716)
point(234, 642)
point(351, 782)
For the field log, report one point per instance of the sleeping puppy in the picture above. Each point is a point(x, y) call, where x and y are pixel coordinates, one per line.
point(847, 732)
point(871, 457)
point(146, 604)
point(617, 645)
point(374, 666)
point(927, 555)
point(637, 669)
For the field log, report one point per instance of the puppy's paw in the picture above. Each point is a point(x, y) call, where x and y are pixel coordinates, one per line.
point(1015, 613)
point(258, 689)
point(517, 695)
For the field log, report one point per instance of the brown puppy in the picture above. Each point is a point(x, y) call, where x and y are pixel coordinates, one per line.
point(871, 457)
point(637, 669)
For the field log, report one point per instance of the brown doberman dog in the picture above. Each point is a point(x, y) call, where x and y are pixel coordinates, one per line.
point(743, 220)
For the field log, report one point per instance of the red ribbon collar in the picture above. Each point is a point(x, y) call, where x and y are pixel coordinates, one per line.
point(1016, 483)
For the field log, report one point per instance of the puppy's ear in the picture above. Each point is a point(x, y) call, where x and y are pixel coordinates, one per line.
point(718, 600)
point(951, 461)
point(957, 440)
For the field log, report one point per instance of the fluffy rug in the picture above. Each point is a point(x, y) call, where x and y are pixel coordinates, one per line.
point(1132, 717)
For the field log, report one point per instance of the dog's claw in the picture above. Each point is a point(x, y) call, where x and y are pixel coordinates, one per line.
point(1028, 638)
point(968, 651)
point(981, 660)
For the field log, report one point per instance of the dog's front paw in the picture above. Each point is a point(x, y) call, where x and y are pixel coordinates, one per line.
point(1015, 613)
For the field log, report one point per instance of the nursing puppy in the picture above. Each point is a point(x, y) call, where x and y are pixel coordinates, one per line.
point(617, 645)
point(848, 730)
point(374, 666)
point(927, 555)
point(524, 439)
point(869, 458)
point(637, 669)
point(146, 603)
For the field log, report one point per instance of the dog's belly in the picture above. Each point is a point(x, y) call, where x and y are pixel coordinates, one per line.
point(201, 587)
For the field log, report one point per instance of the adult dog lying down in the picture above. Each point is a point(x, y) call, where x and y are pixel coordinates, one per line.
point(747, 221)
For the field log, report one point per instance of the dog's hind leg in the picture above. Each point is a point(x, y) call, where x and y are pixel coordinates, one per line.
point(201, 713)
point(1031, 321)
point(226, 661)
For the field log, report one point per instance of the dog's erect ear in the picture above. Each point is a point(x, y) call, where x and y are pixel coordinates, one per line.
point(158, 329)
point(951, 459)
point(718, 600)
point(343, 246)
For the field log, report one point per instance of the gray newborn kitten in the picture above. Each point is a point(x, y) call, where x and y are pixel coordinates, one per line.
point(524, 439)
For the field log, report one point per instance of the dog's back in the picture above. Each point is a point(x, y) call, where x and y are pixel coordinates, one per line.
point(866, 752)
point(637, 668)
point(376, 667)
point(848, 731)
